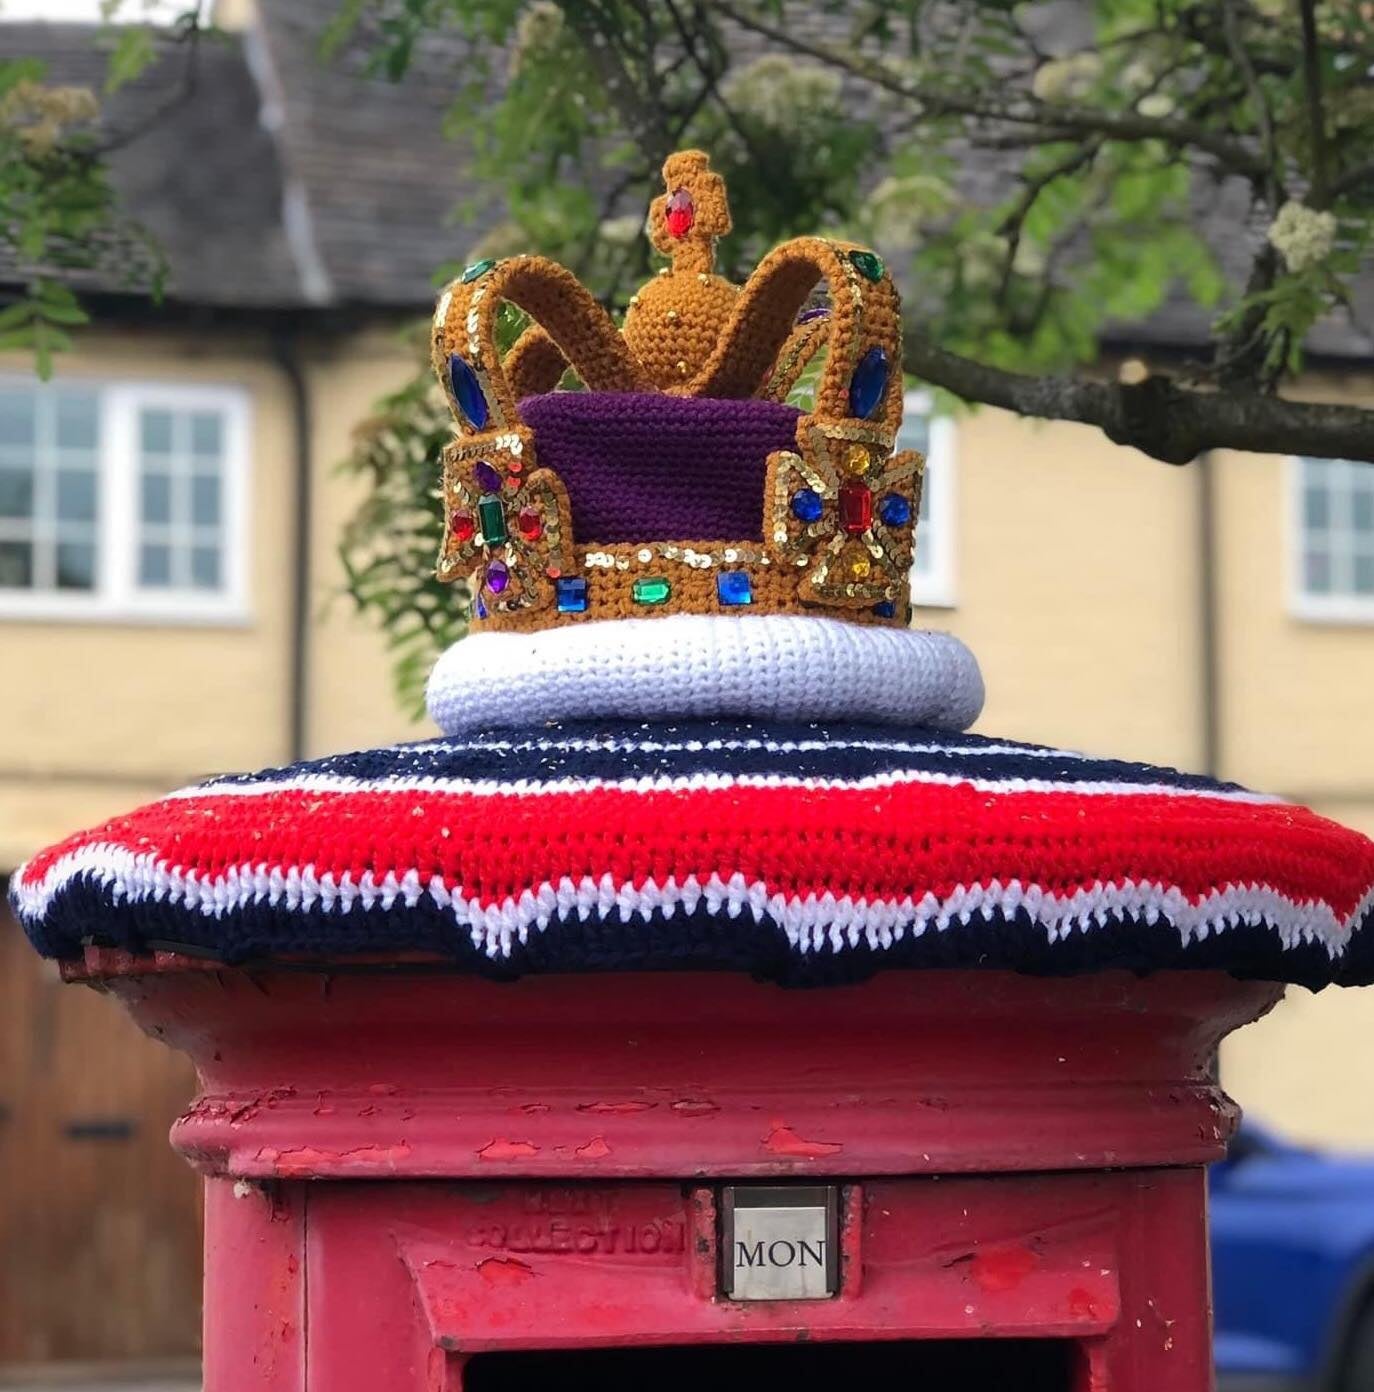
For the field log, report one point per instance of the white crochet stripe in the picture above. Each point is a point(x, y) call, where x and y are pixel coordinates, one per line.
point(765, 666)
point(614, 745)
point(813, 923)
point(704, 782)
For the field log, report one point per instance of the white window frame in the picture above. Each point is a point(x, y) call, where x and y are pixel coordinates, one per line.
point(117, 596)
point(934, 588)
point(1302, 603)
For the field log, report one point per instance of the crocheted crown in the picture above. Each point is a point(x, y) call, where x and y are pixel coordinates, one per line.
point(679, 480)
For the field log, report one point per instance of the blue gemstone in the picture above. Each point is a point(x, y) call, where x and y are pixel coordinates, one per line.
point(467, 391)
point(869, 383)
point(481, 608)
point(807, 505)
point(886, 609)
point(895, 510)
point(733, 587)
point(571, 594)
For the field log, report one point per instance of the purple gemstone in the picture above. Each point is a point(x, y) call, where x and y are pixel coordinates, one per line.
point(497, 576)
point(488, 480)
point(815, 312)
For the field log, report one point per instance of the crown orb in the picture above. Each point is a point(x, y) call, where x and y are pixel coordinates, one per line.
point(467, 391)
point(680, 213)
point(868, 385)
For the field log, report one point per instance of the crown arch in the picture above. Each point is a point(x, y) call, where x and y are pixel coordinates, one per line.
point(865, 315)
point(576, 325)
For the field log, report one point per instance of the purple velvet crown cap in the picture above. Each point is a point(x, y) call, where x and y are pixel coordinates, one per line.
point(641, 466)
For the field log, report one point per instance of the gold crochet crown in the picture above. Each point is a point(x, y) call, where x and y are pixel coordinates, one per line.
point(677, 479)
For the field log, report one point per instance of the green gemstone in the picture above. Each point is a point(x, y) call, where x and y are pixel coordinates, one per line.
point(653, 590)
point(492, 516)
point(478, 268)
point(868, 264)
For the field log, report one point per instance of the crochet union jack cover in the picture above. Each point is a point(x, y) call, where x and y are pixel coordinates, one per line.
point(799, 852)
point(696, 542)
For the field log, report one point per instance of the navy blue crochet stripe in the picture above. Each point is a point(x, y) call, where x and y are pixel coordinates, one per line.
point(87, 911)
point(611, 753)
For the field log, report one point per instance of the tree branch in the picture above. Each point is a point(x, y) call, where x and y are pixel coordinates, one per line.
point(1312, 88)
point(1112, 125)
point(1156, 416)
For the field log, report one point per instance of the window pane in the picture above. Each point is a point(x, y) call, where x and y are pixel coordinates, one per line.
point(77, 420)
point(1316, 504)
point(16, 565)
point(16, 418)
point(205, 500)
point(915, 433)
point(75, 495)
point(16, 493)
point(156, 500)
point(75, 565)
point(205, 434)
point(154, 566)
point(156, 432)
point(1364, 575)
point(205, 567)
point(1317, 572)
point(1362, 507)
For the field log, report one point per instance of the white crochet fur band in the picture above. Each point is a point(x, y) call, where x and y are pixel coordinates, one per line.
point(773, 667)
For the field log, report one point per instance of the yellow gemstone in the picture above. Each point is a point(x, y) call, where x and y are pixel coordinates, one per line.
point(857, 459)
point(859, 565)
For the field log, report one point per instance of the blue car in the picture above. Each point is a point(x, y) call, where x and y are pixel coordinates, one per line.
point(1292, 1268)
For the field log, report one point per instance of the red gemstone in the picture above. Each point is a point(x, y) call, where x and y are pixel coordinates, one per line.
point(463, 526)
point(680, 213)
point(531, 523)
point(856, 508)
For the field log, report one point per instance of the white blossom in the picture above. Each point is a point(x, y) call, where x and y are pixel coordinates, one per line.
point(1067, 79)
point(781, 93)
point(1302, 235)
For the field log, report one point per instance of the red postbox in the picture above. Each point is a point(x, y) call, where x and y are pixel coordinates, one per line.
point(703, 1005)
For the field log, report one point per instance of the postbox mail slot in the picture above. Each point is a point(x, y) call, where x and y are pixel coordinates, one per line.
point(779, 1242)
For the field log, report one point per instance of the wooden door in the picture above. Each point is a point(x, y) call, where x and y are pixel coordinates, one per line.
point(99, 1219)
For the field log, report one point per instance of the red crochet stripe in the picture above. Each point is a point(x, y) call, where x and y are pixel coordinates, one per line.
point(882, 843)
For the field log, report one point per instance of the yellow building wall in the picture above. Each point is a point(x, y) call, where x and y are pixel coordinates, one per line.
point(96, 716)
point(1076, 585)
point(353, 702)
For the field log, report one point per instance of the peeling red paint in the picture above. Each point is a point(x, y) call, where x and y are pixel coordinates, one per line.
point(504, 1271)
point(595, 1149)
point(1002, 1268)
point(312, 1160)
point(502, 1149)
point(615, 1108)
point(783, 1140)
point(695, 1106)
